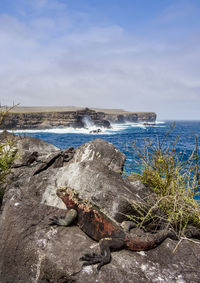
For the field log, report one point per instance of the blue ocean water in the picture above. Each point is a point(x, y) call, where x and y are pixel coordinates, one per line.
point(123, 135)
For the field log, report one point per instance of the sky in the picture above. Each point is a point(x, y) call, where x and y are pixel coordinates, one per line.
point(136, 55)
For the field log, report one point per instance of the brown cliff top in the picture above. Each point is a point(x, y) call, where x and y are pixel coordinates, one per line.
point(41, 109)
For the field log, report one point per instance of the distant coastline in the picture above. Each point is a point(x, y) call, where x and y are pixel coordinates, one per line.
point(49, 109)
point(70, 116)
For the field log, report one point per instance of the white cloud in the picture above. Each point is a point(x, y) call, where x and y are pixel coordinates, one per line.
point(49, 60)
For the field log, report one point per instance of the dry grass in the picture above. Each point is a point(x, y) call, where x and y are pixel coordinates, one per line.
point(7, 156)
point(174, 181)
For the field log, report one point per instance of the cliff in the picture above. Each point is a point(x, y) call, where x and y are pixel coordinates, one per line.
point(61, 117)
point(131, 117)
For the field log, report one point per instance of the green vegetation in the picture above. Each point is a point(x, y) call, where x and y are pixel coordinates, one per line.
point(174, 182)
point(7, 156)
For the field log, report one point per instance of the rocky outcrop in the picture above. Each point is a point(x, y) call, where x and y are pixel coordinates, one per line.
point(81, 118)
point(33, 251)
point(102, 151)
point(131, 117)
point(45, 120)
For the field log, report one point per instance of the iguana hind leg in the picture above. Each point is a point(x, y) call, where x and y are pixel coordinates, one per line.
point(64, 221)
point(106, 245)
point(128, 225)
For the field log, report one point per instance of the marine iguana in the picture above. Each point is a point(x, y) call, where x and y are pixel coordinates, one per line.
point(56, 159)
point(101, 227)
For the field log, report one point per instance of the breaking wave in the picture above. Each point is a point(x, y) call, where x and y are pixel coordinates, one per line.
point(91, 129)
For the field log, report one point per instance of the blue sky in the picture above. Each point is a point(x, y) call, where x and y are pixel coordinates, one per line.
point(139, 55)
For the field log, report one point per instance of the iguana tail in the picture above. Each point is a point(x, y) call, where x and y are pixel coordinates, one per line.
point(147, 241)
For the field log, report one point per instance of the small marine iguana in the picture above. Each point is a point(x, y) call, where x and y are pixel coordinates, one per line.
point(56, 160)
point(98, 225)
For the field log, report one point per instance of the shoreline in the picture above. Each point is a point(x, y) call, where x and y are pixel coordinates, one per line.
point(93, 130)
point(21, 118)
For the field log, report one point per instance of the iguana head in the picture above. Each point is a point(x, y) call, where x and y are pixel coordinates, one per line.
point(66, 193)
point(63, 191)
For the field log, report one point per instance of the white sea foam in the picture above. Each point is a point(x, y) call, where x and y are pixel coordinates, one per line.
point(68, 130)
point(160, 122)
point(87, 121)
point(119, 127)
point(91, 129)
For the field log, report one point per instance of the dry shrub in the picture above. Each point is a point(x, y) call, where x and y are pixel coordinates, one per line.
point(175, 182)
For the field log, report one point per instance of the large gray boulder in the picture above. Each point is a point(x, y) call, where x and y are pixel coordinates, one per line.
point(33, 251)
point(98, 184)
point(101, 151)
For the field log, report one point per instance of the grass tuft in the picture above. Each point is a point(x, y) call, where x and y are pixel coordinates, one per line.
point(174, 181)
point(7, 156)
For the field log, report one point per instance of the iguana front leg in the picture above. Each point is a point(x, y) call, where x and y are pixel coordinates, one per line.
point(106, 245)
point(64, 221)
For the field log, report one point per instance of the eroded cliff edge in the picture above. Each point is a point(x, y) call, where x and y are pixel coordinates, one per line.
point(61, 117)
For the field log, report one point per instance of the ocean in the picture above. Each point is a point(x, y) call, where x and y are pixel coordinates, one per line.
point(122, 135)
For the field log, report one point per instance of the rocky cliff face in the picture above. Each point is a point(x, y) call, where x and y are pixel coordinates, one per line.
point(45, 120)
point(76, 119)
point(131, 117)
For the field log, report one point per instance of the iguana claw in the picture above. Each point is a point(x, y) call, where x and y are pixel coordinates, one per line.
point(54, 221)
point(64, 221)
point(88, 256)
point(94, 258)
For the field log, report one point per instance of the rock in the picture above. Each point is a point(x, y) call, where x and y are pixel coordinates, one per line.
point(5, 135)
point(141, 190)
point(149, 124)
point(102, 151)
point(26, 146)
point(47, 118)
point(95, 131)
point(97, 183)
point(136, 117)
point(33, 251)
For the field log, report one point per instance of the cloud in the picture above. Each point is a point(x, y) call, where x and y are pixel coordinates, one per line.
point(67, 60)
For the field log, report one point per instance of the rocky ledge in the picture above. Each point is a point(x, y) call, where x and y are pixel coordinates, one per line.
point(47, 118)
point(33, 251)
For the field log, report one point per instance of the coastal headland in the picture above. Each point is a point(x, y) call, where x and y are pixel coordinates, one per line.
point(60, 117)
